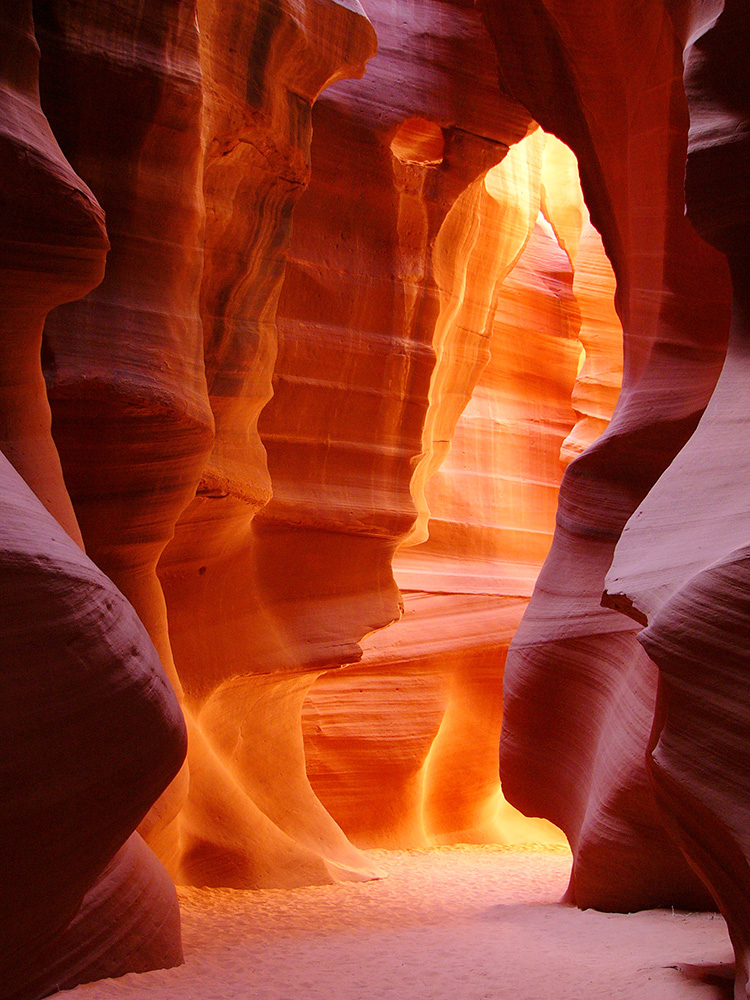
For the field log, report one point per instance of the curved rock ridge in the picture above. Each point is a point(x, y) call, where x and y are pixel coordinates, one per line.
point(681, 565)
point(261, 433)
point(196, 139)
point(134, 423)
point(83, 897)
point(579, 690)
point(394, 236)
point(499, 405)
point(251, 818)
point(52, 249)
point(124, 366)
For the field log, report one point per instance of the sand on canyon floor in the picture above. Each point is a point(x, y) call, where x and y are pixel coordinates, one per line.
point(456, 923)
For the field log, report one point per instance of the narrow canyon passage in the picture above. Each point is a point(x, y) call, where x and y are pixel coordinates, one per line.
point(374, 522)
point(458, 923)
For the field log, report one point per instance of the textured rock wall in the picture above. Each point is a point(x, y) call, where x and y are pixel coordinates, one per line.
point(124, 365)
point(380, 283)
point(437, 351)
point(579, 690)
point(251, 818)
point(681, 565)
point(497, 414)
point(133, 416)
point(79, 674)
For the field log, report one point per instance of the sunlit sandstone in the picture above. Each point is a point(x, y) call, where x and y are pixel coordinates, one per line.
point(501, 408)
point(258, 431)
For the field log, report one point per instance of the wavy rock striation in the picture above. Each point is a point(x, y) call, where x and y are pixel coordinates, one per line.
point(124, 365)
point(498, 411)
point(251, 818)
point(681, 566)
point(252, 427)
point(196, 141)
point(377, 283)
point(579, 690)
point(83, 897)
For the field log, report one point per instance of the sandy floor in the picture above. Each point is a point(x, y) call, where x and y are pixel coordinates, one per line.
point(467, 923)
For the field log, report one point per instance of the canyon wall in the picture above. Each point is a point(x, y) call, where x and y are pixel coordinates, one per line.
point(622, 745)
point(309, 422)
point(577, 677)
point(139, 430)
point(83, 896)
point(681, 565)
point(402, 748)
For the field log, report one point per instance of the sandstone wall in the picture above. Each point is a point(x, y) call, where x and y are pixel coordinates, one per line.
point(273, 440)
point(134, 426)
point(402, 748)
point(79, 674)
point(577, 677)
point(681, 566)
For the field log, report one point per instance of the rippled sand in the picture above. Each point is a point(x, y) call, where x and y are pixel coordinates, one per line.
point(459, 923)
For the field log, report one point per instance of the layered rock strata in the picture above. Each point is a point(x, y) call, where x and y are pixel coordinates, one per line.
point(379, 282)
point(251, 818)
point(431, 324)
point(196, 140)
point(124, 366)
point(83, 897)
point(498, 412)
point(681, 566)
point(91, 736)
point(579, 690)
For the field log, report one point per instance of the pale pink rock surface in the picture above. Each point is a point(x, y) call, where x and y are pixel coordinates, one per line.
point(681, 566)
point(91, 735)
point(579, 691)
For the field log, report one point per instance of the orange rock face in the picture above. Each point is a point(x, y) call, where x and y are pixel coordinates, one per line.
point(79, 674)
point(250, 818)
point(498, 412)
point(387, 267)
point(576, 677)
point(275, 440)
point(198, 173)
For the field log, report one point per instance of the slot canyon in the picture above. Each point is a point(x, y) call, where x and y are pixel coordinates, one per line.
point(375, 572)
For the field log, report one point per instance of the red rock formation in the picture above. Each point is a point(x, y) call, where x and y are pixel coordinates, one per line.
point(393, 259)
point(579, 691)
point(430, 336)
point(487, 483)
point(124, 366)
point(251, 818)
point(82, 895)
point(198, 168)
point(681, 566)
point(53, 246)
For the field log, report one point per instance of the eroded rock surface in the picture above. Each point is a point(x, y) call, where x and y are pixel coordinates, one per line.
point(498, 412)
point(251, 818)
point(682, 561)
point(254, 426)
point(381, 284)
point(579, 691)
point(83, 897)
